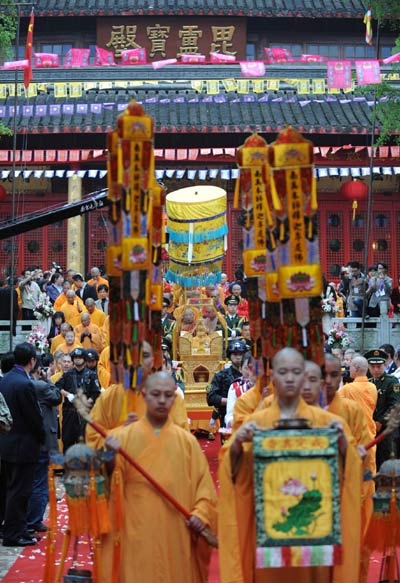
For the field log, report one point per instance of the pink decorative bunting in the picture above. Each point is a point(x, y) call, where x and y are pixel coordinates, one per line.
point(313, 59)
point(24, 64)
point(221, 58)
point(104, 57)
point(77, 58)
point(195, 58)
point(159, 64)
point(392, 59)
point(252, 68)
point(275, 55)
point(395, 151)
point(368, 72)
point(133, 57)
point(339, 74)
point(46, 60)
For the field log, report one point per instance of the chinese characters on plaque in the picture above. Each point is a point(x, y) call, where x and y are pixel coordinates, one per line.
point(166, 38)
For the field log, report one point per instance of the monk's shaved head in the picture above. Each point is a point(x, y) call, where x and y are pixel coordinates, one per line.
point(360, 364)
point(289, 353)
point(159, 377)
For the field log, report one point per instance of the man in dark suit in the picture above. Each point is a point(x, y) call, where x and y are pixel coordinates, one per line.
point(20, 447)
point(5, 302)
point(82, 289)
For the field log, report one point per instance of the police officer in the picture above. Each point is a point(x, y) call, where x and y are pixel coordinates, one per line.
point(217, 391)
point(78, 377)
point(388, 395)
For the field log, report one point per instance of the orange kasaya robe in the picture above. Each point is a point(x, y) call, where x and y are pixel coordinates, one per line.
point(106, 331)
point(59, 301)
point(356, 418)
point(55, 343)
point(113, 406)
point(236, 523)
point(98, 317)
point(68, 349)
point(71, 312)
point(156, 545)
point(56, 376)
point(99, 281)
point(96, 341)
point(104, 369)
point(363, 392)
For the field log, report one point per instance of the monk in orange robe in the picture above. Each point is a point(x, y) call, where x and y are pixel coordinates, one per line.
point(89, 334)
point(236, 521)
point(251, 401)
point(70, 343)
point(62, 298)
point(97, 316)
point(117, 406)
point(60, 338)
point(73, 308)
point(157, 544)
point(103, 368)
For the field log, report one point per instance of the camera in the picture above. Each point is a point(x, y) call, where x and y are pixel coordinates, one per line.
point(56, 266)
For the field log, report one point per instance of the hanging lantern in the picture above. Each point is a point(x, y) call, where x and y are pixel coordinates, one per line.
point(3, 193)
point(354, 190)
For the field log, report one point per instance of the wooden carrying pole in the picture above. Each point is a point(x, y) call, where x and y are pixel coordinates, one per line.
point(206, 532)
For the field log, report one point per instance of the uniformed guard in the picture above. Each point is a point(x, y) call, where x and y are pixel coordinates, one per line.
point(167, 320)
point(233, 321)
point(217, 391)
point(388, 395)
point(79, 377)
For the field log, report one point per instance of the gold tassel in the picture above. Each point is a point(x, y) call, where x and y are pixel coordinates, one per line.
point(314, 202)
point(310, 226)
point(236, 194)
point(281, 231)
point(64, 551)
point(117, 525)
point(276, 203)
point(120, 164)
point(354, 207)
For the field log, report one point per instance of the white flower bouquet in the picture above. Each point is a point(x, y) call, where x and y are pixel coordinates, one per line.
point(38, 337)
point(44, 308)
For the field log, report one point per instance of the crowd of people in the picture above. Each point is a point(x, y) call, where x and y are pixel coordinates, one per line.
point(352, 392)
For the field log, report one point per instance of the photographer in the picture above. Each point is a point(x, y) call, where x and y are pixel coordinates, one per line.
point(49, 396)
point(381, 288)
point(30, 293)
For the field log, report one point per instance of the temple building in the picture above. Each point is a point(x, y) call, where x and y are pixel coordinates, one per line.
point(91, 58)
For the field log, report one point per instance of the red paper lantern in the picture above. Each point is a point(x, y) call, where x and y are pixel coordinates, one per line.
point(3, 193)
point(354, 190)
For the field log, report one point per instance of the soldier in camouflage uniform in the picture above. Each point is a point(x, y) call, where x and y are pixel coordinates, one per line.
point(217, 391)
point(388, 395)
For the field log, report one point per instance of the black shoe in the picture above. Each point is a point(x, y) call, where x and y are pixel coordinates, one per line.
point(20, 542)
point(31, 534)
point(39, 527)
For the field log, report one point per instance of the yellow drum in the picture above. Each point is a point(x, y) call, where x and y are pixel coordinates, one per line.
point(197, 231)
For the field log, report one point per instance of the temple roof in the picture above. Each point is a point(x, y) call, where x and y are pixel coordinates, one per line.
point(257, 8)
point(188, 100)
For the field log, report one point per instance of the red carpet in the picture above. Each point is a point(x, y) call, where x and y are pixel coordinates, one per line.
point(28, 568)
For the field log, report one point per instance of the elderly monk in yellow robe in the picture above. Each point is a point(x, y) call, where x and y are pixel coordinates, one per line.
point(70, 343)
point(236, 532)
point(157, 544)
point(62, 298)
point(97, 316)
point(117, 406)
point(72, 308)
point(60, 338)
point(89, 334)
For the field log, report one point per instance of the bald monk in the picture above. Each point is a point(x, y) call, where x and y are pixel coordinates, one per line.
point(60, 338)
point(62, 298)
point(70, 343)
point(236, 530)
point(117, 406)
point(157, 544)
point(89, 334)
point(72, 308)
point(97, 316)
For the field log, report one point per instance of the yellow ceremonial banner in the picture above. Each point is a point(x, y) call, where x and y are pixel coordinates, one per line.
point(273, 84)
point(75, 89)
point(303, 86)
point(3, 91)
point(212, 87)
point(156, 297)
point(296, 281)
point(258, 85)
point(113, 260)
point(32, 90)
point(259, 206)
point(271, 287)
point(135, 253)
point(318, 86)
point(135, 174)
point(11, 90)
point(90, 85)
point(60, 90)
point(284, 482)
point(296, 442)
point(106, 85)
point(197, 85)
point(291, 155)
point(255, 262)
point(136, 127)
point(229, 84)
point(254, 156)
point(295, 211)
point(243, 86)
